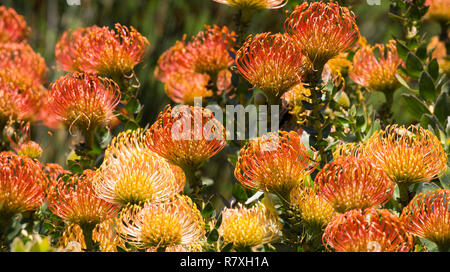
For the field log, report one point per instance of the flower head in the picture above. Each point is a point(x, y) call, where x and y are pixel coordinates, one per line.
point(84, 100)
point(186, 136)
point(14, 105)
point(13, 27)
point(254, 4)
point(428, 216)
point(21, 180)
point(248, 227)
point(439, 10)
point(272, 63)
point(102, 50)
point(172, 62)
point(162, 225)
point(368, 230)
point(376, 73)
point(74, 200)
point(185, 87)
point(322, 30)
point(407, 155)
point(276, 163)
point(354, 183)
point(133, 174)
point(440, 54)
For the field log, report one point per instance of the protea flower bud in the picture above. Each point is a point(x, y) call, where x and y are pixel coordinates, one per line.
point(13, 27)
point(354, 183)
point(275, 163)
point(248, 227)
point(158, 226)
point(439, 10)
point(368, 230)
point(84, 101)
point(322, 30)
point(407, 155)
point(133, 174)
point(254, 4)
point(185, 87)
point(428, 216)
point(272, 63)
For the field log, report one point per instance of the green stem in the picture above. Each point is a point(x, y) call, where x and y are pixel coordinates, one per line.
point(192, 180)
point(87, 232)
point(5, 223)
point(404, 194)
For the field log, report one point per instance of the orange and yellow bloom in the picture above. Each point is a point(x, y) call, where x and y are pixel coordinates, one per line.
point(13, 27)
point(254, 4)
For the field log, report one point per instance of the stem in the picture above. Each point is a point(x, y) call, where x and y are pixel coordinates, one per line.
point(192, 179)
point(5, 222)
point(89, 138)
point(404, 194)
point(87, 232)
point(161, 249)
point(443, 247)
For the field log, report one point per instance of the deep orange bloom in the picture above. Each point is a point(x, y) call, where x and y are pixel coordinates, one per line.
point(13, 27)
point(84, 101)
point(354, 183)
point(20, 184)
point(439, 10)
point(368, 230)
point(185, 87)
point(254, 4)
point(407, 155)
point(276, 163)
point(186, 136)
point(428, 216)
point(74, 200)
point(172, 61)
point(14, 105)
point(322, 30)
point(272, 63)
point(53, 172)
point(102, 50)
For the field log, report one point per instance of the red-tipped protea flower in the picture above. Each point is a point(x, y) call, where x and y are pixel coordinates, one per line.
point(84, 101)
point(13, 27)
point(349, 150)
point(428, 216)
point(276, 163)
point(439, 10)
point(186, 136)
point(322, 30)
point(354, 183)
point(254, 4)
point(172, 62)
point(272, 63)
point(14, 105)
point(183, 88)
point(133, 174)
point(407, 155)
point(368, 230)
point(102, 50)
point(248, 227)
point(158, 226)
point(53, 172)
point(376, 71)
point(21, 180)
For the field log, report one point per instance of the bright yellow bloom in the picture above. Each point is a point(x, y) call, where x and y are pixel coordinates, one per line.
point(254, 4)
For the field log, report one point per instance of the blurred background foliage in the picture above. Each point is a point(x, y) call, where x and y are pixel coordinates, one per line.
point(163, 22)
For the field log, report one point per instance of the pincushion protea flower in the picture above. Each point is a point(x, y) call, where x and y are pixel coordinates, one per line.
point(20, 184)
point(254, 4)
point(53, 172)
point(275, 163)
point(440, 54)
point(158, 226)
point(349, 150)
point(13, 27)
point(368, 230)
point(14, 105)
point(102, 50)
point(172, 61)
point(407, 155)
point(133, 174)
point(322, 30)
point(377, 73)
point(428, 216)
point(439, 10)
point(354, 183)
point(84, 101)
point(272, 63)
point(248, 227)
point(336, 69)
point(185, 87)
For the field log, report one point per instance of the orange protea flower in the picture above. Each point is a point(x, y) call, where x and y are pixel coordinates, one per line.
point(13, 27)
point(368, 230)
point(376, 73)
point(314, 210)
point(20, 184)
point(184, 87)
point(14, 105)
point(322, 30)
point(102, 50)
point(133, 174)
point(407, 155)
point(272, 63)
point(440, 54)
point(439, 10)
point(248, 227)
point(84, 100)
point(276, 163)
point(74, 200)
point(162, 225)
point(354, 183)
point(428, 216)
point(349, 150)
point(186, 136)
point(53, 172)
point(172, 61)
point(254, 4)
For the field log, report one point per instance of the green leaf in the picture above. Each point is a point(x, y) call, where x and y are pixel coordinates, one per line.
point(416, 107)
point(442, 107)
point(239, 193)
point(402, 50)
point(445, 179)
point(427, 88)
point(402, 81)
point(433, 69)
point(413, 65)
point(213, 236)
point(425, 187)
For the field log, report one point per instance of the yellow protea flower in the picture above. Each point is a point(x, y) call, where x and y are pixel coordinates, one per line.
point(348, 150)
point(248, 227)
point(293, 100)
point(254, 4)
point(158, 226)
point(336, 69)
point(407, 155)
